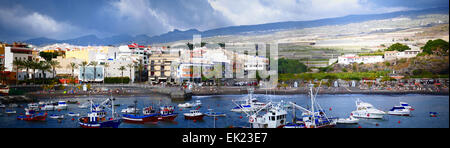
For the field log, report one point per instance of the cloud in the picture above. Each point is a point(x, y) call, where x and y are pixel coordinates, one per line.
point(266, 11)
point(25, 25)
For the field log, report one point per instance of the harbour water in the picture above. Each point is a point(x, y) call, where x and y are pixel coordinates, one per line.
point(333, 105)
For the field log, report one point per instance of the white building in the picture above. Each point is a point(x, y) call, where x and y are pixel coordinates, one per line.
point(393, 55)
point(352, 58)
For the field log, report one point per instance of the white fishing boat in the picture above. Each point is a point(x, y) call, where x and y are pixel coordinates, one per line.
point(130, 110)
point(185, 105)
point(62, 105)
point(194, 115)
point(250, 104)
point(350, 120)
point(83, 106)
point(54, 116)
point(367, 110)
point(275, 117)
point(33, 106)
point(406, 105)
point(197, 103)
point(2, 105)
point(9, 111)
point(399, 111)
point(48, 107)
point(73, 114)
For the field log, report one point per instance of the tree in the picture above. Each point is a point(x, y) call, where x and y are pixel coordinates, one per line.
point(131, 67)
point(140, 67)
point(122, 68)
point(73, 66)
point(398, 47)
point(54, 65)
point(48, 56)
point(291, 66)
point(438, 46)
point(19, 65)
point(106, 65)
point(94, 63)
point(84, 64)
point(34, 65)
point(43, 66)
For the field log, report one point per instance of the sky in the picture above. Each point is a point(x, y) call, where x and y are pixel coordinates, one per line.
point(67, 19)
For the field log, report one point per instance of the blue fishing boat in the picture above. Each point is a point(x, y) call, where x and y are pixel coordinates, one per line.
point(97, 117)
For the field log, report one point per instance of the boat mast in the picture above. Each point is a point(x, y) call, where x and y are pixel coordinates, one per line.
point(312, 105)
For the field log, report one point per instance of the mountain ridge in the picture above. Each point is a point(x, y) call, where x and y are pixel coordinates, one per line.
point(177, 35)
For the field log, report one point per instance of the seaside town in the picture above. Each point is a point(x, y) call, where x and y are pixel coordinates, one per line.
point(379, 70)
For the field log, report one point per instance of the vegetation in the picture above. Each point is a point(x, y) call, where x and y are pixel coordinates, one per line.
point(398, 47)
point(437, 47)
point(288, 66)
point(117, 80)
point(48, 56)
point(333, 76)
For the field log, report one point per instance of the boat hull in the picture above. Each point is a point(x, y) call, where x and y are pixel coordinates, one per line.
point(198, 117)
point(140, 119)
point(399, 113)
point(32, 117)
point(103, 124)
point(167, 117)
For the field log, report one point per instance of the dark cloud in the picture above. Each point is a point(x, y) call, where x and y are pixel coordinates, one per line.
point(63, 19)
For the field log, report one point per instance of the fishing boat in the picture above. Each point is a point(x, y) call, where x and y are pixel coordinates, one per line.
point(13, 105)
point(96, 118)
point(406, 105)
point(72, 102)
point(313, 118)
point(350, 120)
point(189, 105)
point(62, 105)
point(185, 105)
point(250, 104)
point(399, 111)
point(150, 115)
point(167, 113)
point(275, 117)
point(433, 114)
point(367, 110)
point(131, 109)
point(194, 115)
point(215, 114)
point(32, 115)
point(55, 116)
point(73, 114)
point(48, 107)
point(10, 111)
point(33, 106)
point(2, 105)
point(83, 106)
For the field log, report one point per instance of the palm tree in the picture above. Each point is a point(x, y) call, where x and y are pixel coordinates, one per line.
point(94, 63)
point(27, 65)
point(131, 67)
point(44, 66)
point(73, 66)
point(84, 64)
point(106, 65)
point(122, 68)
point(53, 65)
point(34, 65)
point(19, 65)
point(140, 67)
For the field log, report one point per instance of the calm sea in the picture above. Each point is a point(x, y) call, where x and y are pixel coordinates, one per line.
point(334, 105)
